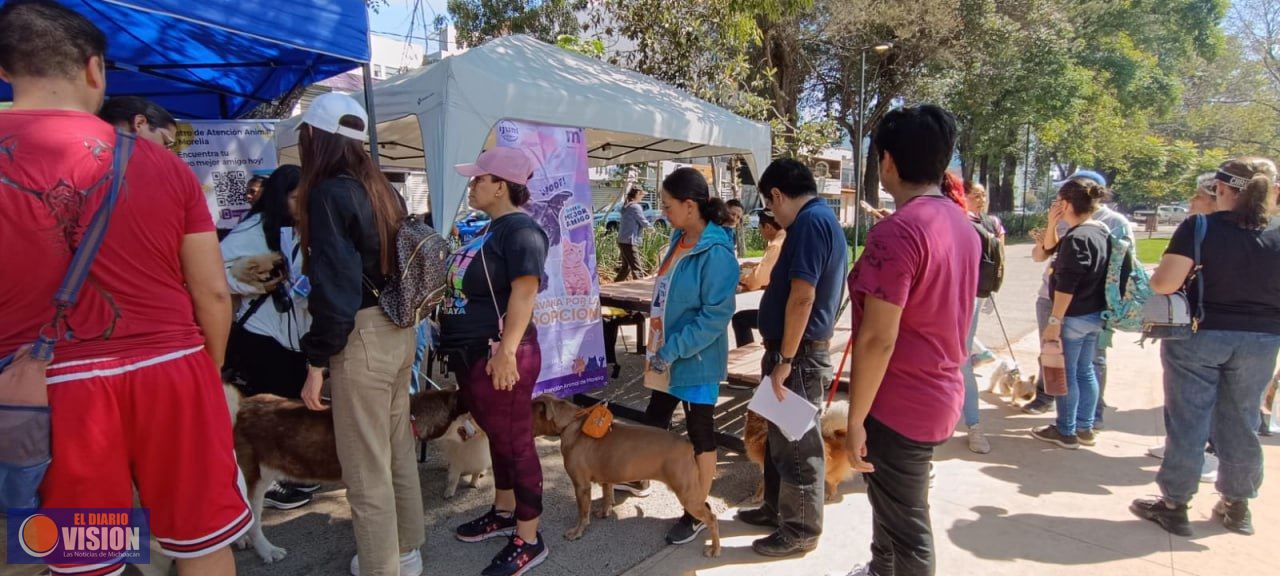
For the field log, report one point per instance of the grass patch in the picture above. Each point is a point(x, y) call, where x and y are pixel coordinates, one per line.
point(1151, 249)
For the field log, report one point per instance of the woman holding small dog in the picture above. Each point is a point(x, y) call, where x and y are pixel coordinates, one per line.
point(348, 224)
point(492, 346)
point(693, 302)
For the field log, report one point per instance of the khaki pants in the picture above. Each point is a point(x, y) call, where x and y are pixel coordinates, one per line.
point(369, 382)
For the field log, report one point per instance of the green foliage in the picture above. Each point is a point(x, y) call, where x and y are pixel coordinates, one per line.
point(590, 47)
point(652, 248)
point(1018, 226)
point(479, 21)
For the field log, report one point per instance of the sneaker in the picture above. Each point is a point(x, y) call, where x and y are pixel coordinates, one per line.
point(982, 359)
point(978, 443)
point(1209, 470)
point(1172, 519)
point(518, 557)
point(308, 488)
point(491, 525)
point(1037, 407)
point(1235, 516)
point(778, 546)
point(739, 385)
point(1156, 452)
point(685, 530)
point(1087, 437)
point(859, 570)
point(282, 498)
point(639, 489)
point(410, 564)
point(1051, 435)
point(757, 517)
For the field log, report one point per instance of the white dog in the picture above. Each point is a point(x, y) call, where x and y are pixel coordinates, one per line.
point(466, 448)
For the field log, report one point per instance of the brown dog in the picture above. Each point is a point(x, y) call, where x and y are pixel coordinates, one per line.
point(835, 426)
point(280, 438)
point(626, 454)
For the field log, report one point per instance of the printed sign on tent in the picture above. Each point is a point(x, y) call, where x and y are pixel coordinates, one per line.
point(567, 311)
point(225, 155)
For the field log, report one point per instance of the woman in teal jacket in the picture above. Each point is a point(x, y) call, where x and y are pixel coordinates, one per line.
point(693, 301)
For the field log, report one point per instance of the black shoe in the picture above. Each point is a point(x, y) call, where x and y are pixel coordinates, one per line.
point(1037, 407)
point(518, 557)
point(685, 530)
point(491, 525)
point(757, 517)
point(308, 488)
point(1235, 516)
point(639, 489)
point(1087, 437)
point(282, 498)
point(1173, 520)
point(777, 546)
point(1051, 435)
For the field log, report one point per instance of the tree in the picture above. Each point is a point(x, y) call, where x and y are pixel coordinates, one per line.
point(478, 21)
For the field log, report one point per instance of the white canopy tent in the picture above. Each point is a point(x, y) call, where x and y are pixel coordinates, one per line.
point(445, 114)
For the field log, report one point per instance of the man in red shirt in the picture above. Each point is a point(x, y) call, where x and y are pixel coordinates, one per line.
point(134, 392)
point(912, 293)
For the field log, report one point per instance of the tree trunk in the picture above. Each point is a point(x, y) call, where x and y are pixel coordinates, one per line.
point(984, 172)
point(871, 176)
point(1002, 201)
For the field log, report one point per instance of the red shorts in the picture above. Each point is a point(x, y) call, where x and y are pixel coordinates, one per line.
point(160, 423)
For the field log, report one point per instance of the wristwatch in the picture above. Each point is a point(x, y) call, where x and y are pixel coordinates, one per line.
point(784, 360)
point(1054, 321)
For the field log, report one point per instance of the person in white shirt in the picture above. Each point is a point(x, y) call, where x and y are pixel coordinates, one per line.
point(264, 268)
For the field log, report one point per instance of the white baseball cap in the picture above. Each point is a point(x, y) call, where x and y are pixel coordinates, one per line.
point(327, 109)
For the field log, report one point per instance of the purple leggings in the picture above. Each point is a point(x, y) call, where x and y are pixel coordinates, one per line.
point(507, 417)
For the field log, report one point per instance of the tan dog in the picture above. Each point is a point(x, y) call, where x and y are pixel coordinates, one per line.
point(835, 426)
point(626, 454)
point(1007, 380)
point(466, 449)
point(307, 449)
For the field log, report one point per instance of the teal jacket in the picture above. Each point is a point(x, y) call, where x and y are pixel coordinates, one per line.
point(700, 304)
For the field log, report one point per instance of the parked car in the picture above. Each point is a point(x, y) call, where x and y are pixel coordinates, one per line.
point(611, 218)
point(1164, 214)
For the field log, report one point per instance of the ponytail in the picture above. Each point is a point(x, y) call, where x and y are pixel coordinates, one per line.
point(1256, 198)
point(715, 211)
point(689, 184)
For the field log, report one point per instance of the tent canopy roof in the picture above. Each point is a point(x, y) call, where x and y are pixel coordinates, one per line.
point(453, 106)
point(222, 58)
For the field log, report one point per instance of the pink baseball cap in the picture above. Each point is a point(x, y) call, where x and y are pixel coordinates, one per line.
point(511, 164)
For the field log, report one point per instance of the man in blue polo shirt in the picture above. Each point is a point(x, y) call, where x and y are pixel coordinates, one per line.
point(797, 318)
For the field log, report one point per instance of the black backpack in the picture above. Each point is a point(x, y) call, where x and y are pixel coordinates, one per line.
point(991, 267)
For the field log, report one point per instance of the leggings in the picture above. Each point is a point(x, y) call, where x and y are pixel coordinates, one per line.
point(507, 417)
point(699, 421)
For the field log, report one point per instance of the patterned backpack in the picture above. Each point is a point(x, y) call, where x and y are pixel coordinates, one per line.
point(1128, 288)
point(422, 257)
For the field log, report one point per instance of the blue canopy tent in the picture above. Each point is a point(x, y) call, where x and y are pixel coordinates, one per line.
point(211, 59)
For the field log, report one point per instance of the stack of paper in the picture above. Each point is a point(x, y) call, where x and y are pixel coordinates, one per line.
point(793, 416)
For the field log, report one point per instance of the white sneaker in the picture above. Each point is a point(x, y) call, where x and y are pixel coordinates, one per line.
point(410, 564)
point(1209, 471)
point(978, 443)
point(859, 570)
point(1156, 451)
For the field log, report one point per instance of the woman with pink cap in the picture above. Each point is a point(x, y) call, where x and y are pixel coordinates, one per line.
point(492, 346)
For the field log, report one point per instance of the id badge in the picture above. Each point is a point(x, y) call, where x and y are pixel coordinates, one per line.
point(302, 287)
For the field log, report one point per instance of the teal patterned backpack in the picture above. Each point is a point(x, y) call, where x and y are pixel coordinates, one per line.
point(1128, 288)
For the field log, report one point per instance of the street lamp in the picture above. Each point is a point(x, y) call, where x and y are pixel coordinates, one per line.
point(881, 49)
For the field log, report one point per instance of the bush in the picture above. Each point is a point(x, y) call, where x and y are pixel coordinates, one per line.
point(1018, 226)
point(652, 248)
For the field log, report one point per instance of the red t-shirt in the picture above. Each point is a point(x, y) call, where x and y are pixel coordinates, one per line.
point(923, 258)
point(54, 172)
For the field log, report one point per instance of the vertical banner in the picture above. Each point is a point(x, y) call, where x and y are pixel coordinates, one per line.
point(567, 311)
point(225, 154)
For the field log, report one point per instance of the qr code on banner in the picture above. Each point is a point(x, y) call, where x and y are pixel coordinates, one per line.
point(230, 188)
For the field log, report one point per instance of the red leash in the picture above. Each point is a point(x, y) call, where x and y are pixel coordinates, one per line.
point(836, 385)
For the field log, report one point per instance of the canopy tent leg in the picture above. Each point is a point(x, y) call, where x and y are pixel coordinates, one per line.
point(373, 122)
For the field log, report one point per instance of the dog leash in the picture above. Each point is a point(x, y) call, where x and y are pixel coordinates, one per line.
point(831, 396)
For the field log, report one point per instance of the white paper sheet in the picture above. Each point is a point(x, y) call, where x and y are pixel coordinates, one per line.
point(794, 416)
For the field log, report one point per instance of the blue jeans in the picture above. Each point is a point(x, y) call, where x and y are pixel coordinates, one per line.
point(417, 382)
point(971, 381)
point(1043, 308)
point(1213, 384)
point(1080, 345)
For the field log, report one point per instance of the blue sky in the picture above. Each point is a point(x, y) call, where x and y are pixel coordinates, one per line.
point(394, 18)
